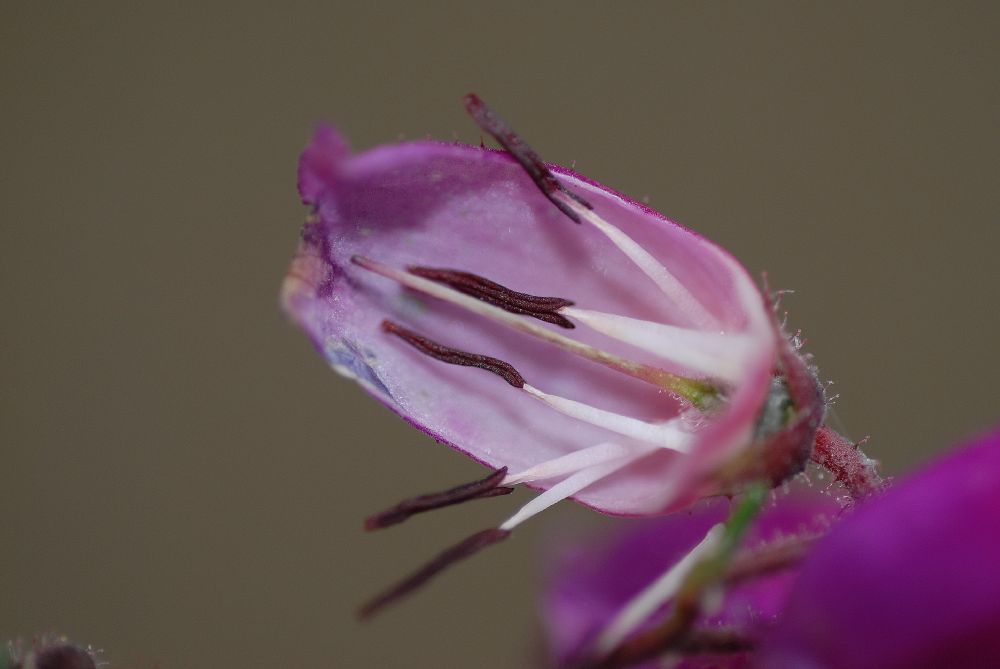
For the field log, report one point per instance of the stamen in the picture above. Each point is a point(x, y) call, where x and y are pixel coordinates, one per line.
point(571, 462)
point(666, 435)
point(698, 393)
point(472, 545)
point(453, 356)
point(671, 286)
point(487, 119)
point(460, 551)
point(577, 209)
point(543, 308)
point(715, 354)
point(487, 487)
point(569, 487)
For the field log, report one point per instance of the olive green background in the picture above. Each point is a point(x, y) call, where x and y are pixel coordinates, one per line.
point(184, 479)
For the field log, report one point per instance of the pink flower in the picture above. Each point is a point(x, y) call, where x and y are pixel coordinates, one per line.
point(909, 581)
point(589, 583)
point(635, 365)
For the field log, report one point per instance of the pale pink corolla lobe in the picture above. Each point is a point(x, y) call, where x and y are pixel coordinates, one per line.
point(648, 299)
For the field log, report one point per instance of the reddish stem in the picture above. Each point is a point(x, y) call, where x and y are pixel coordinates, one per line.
point(769, 558)
point(852, 468)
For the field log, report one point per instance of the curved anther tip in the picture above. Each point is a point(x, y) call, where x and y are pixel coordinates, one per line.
point(479, 489)
point(453, 356)
point(460, 551)
point(533, 165)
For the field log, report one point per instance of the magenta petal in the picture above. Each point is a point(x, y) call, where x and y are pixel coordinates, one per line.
point(908, 582)
point(587, 584)
point(472, 209)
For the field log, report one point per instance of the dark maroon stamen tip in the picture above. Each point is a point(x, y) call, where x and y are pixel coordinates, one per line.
point(487, 487)
point(455, 357)
point(543, 308)
point(460, 551)
point(539, 172)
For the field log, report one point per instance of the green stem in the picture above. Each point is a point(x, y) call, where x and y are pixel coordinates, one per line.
point(711, 571)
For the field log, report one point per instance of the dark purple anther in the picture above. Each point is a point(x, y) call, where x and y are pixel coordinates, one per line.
point(543, 308)
point(487, 119)
point(465, 548)
point(487, 487)
point(454, 356)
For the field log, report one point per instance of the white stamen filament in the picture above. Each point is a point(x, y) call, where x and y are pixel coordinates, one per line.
point(573, 462)
point(678, 293)
point(656, 594)
point(665, 435)
point(567, 488)
point(646, 373)
point(715, 354)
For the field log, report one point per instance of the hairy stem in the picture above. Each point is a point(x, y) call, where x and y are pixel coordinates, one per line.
point(769, 558)
point(851, 467)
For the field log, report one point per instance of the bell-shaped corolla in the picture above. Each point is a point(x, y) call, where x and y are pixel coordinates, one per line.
point(554, 330)
point(631, 358)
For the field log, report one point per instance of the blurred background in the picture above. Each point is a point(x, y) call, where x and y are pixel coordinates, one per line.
point(184, 479)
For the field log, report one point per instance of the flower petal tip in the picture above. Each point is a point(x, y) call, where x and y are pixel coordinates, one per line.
point(319, 161)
